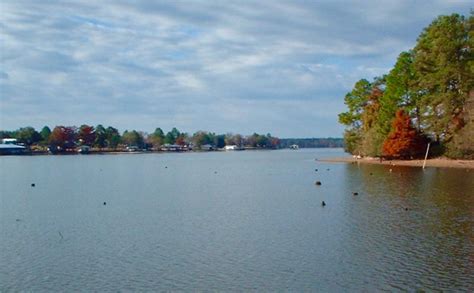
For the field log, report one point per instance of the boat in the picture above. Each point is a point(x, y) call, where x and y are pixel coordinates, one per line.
point(11, 149)
point(84, 149)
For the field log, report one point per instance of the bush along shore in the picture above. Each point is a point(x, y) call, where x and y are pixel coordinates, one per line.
point(426, 99)
point(89, 139)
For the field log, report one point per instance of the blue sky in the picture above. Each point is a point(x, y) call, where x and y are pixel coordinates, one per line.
point(224, 66)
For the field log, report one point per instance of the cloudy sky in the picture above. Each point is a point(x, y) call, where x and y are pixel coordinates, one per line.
point(225, 66)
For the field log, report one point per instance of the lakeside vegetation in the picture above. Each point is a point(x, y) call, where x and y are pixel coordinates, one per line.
point(428, 97)
point(101, 139)
point(69, 138)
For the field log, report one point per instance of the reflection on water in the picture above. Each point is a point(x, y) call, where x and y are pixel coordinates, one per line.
point(232, 221)
point(421, 221)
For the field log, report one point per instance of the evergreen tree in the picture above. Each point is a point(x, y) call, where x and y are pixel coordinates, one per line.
point(112, 137)
point(355, 101)
point(172, 135)
point(443, 77)
point(399, 93)
point(100, 136)
point(157, 138)
point(45, 133)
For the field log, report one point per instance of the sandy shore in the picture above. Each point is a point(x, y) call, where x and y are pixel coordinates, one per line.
point(437, 162)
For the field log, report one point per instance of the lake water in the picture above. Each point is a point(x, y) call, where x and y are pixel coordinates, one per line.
point(229, 221)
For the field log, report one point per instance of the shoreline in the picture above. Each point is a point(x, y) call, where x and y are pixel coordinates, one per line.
point(434, 162)
point(123, 152)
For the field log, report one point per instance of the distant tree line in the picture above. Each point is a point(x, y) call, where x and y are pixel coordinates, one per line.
point(312, 142)
point(428, 96)
point(66, 138)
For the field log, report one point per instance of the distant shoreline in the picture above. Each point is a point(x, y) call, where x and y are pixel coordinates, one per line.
point(435, 162)
point(124, 152)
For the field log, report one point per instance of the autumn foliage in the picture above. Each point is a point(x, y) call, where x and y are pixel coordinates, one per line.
point(404, 141)
point(86, 134)
point(433, 83)
point(63, 137)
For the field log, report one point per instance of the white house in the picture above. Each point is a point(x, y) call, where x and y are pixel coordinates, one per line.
point(231, 147)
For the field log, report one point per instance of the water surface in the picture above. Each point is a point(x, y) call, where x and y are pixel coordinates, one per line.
point(248, 220)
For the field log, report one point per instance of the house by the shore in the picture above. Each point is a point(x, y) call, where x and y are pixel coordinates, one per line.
point(233, 148)
point(174, 148)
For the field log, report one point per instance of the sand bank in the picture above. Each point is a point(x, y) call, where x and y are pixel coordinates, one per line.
point(437, 162)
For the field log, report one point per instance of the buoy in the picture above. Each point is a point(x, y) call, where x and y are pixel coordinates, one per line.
point(166, 167)
point(316, 170)
point(318, 183)
point(327, 169)
point(355, 193)
point(323, 204)
point(33, 185)
point(105, 203)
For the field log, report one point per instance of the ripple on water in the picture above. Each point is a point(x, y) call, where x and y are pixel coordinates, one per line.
point(258, 225)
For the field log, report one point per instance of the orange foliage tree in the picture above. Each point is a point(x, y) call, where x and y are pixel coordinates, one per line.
point(404, 141)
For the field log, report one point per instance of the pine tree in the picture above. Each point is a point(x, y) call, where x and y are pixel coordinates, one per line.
point(399, 93)
point(441, 60)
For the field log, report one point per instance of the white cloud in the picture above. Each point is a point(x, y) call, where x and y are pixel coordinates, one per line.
point(246, 66)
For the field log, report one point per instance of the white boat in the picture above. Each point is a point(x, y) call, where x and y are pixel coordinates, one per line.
point(11, 149)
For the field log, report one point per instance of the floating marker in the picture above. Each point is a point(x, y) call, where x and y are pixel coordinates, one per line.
point(355, 193)
point(105, 203)
point(33, 185)
point(318, 183)
point(323, 204)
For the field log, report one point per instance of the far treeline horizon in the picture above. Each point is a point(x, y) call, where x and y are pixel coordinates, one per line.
point(70, 137)
point(428, 97)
